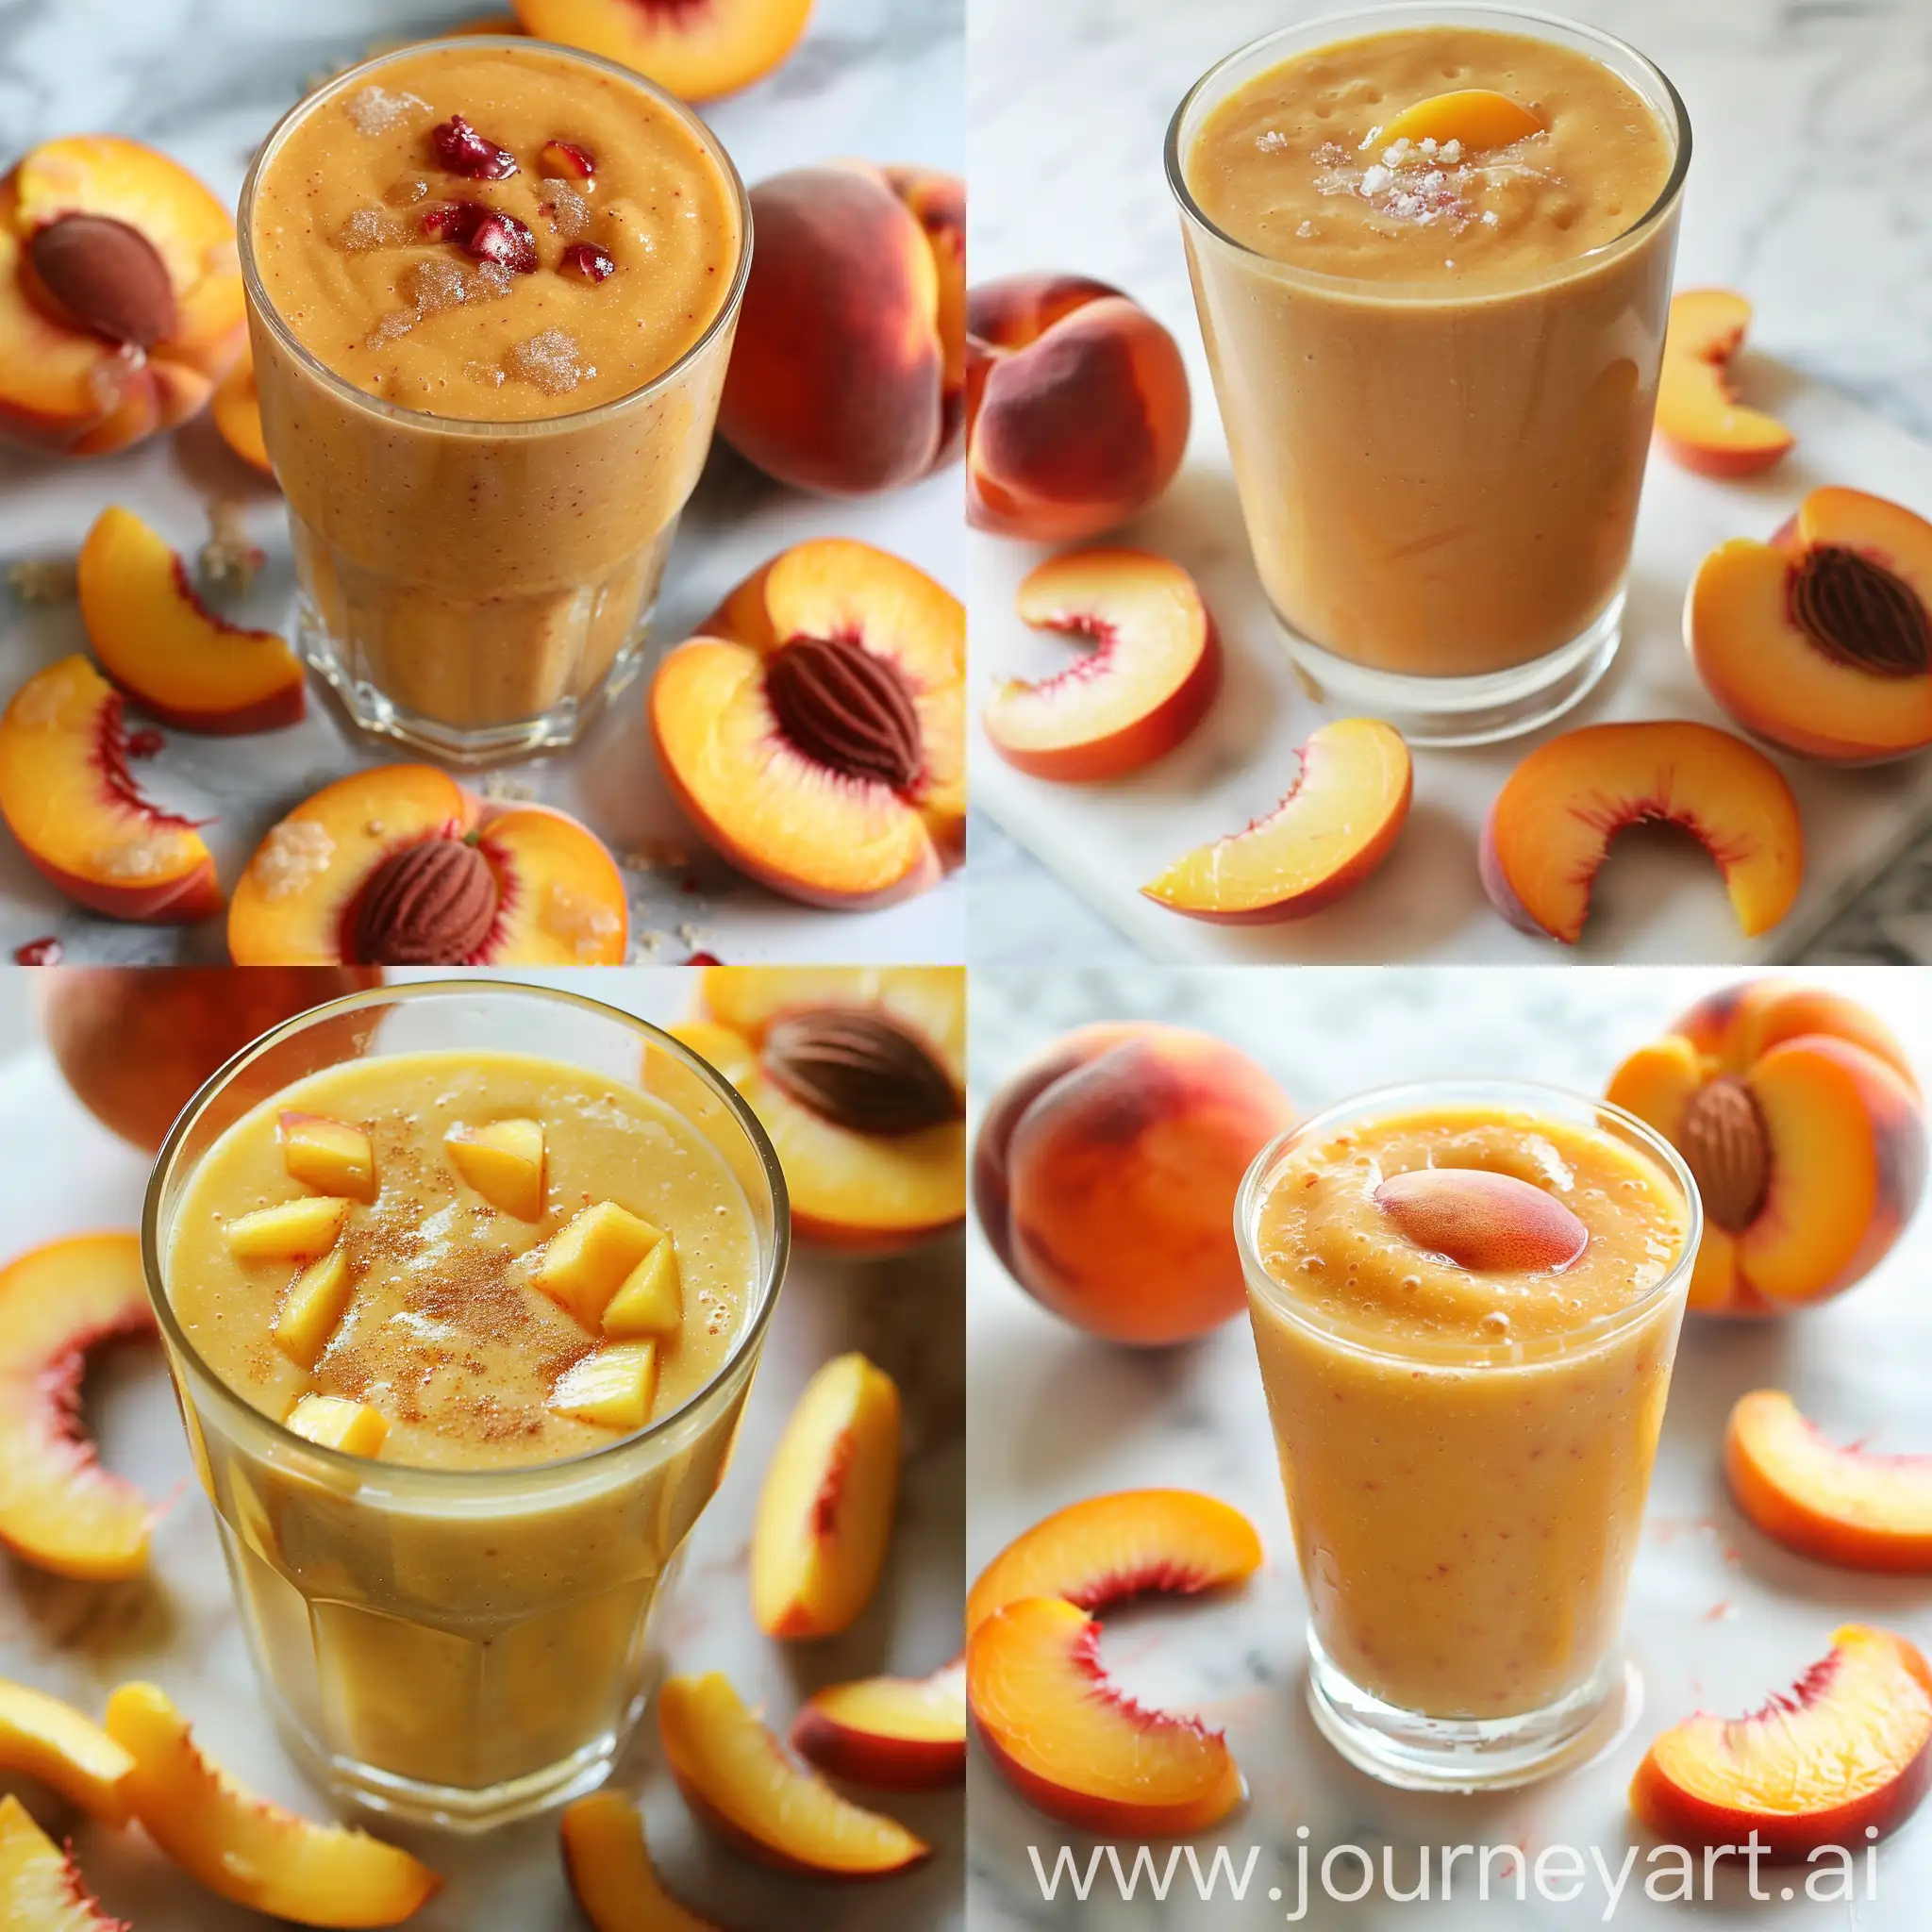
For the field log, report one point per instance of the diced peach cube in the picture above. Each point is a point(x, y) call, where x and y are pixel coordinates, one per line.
point(329, 1155)
point(504, 1162)
point(585, 1264)
point(312, 1308)
point(292, 1231)
point(337, 1422)
point(651, 1301)
point(616, 1386)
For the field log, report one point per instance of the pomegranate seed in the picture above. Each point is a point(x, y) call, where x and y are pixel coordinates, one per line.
point(454, 221)
point(567, 158)
point(504, 239)
point(463, 151)
point(46, 952)
point(145, 742)
point(587, 260)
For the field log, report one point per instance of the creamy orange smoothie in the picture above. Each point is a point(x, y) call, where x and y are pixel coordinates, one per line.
point(492, 289)
point(1466, 1315)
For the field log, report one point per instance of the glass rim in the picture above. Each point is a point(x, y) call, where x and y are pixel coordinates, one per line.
point(345, 390)
point(1368, 19)
point(1480, 1355)
point(476, 1483)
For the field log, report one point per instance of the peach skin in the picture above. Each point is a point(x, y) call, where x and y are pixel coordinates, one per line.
point(1150, 677)
point(847, 371)
point(1075, 1747)
point(40, 1885)
point(1848, 1748)
point(1806, 1132)
point(69, 1754)
point(610, 1872)
point(1550, 827)
point(1820, 639)
point(1699, 418)
point(1104, 1176)
point(1076, 407)
point(815, 734)
point(1848, 1506)
point(1338, 821)
point(894, 1734)
point(121, 302)
point(1492, 1224)
point(697, 49)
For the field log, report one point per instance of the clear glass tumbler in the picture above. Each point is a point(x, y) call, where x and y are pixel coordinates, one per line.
point(1457, 1506)
point(460, 1646)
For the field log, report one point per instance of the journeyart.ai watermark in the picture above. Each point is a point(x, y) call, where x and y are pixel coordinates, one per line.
point(1352, 1875)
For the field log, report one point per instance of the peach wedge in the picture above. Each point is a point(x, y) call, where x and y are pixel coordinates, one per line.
point(894, 1734)
point(243, 1848)
point(1478, 117)
point(610, 1871)
point(40, 1889)
point(237, 410)
point(698, 49)
point(1493, 1224)
point(1149, 679)
point(67, 1753)
point(1338, 821)
point(158, 641)
point(740, 1784)
point(1550, 827)
point(1699, 418)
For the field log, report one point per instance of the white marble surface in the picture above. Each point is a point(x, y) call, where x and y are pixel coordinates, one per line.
point(205, 80)
point(1720, 1616)
point(1804, 192)
point(64, 1175)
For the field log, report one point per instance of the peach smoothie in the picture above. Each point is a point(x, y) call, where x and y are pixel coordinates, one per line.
point(1466, 1315)
point(491, 290)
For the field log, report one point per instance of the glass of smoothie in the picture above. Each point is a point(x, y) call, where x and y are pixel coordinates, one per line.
point(462, 1286)
point(492, 285)
point(1431, 254)
point(1466, 1298)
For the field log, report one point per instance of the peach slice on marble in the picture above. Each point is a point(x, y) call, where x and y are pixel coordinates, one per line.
point(1478, 117)
point(41, 1887)
point(1550, 827)
point(1699, 418)
point(698, 49)
point(614, 1386)
point(503, 1160)
point(59, 1509)
point(1338, 821)
point(159, 643)
point(1490, 1223)
point(245, 1849)
point(610, 1871)
point(337, 1422)
point(824, 1514)
point(742, 1786)
point(1847, 1748)
point(67, 796)
point(894, 1734)
point(50, 1740)
point(237, 410)
point(585, 1264)
point(1077, 1748)
point(329, 1155)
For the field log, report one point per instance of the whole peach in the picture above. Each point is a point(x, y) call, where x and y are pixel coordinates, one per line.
point(1104, 1176)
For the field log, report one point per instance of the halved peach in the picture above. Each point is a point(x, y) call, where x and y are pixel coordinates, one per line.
point(1699, 419)
point(66, 796)
point(737, 1780)
point(69, 1754)
point(237, 410)
point(158, 641)
point(41, 1887)
point(1847, 1748)
point(1551, 825)
point(1150, 679)
point(1338, 821)
point(1075, 1747)
point(896, 1734)
point(698, 49)
point(824, 1514)
point(241, 1846)
point(1820, 639)
point(610, 1870)
point(1108, 1548)
point(814, 733)
point(59, 1509)
point(1494, 1224)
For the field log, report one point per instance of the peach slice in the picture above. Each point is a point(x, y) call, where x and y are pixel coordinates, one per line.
point(1842, 1505)
point(237, 410)
point(1847, 1748)
point(1151, 678)
point(41, 1888)
point(651, 1301)
point(59, 1509)
point(1108, 1548)
point(1075, 1747)
point(1699, 419)
point(1551, 825)
point(584, 1264)
point(313, 1307)
point(67, 1753)
point(1492, 1224)
point(298, 1230)
point(613, 1386)
point(698, 49)
point(896, 1734)
point(611, 1873)
point(1338, 821)
point(824, 1513)
point(815, 735)
point(1820, 639)
point(739, 1783)
point(337, 1422)
point(66, 796)
point(243, 1848)
point(1478, 117)
point(329, 1155)
point(158, 641)
point(504, 1161)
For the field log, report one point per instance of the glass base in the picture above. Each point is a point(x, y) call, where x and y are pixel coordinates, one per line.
point(1426, 1754)
point(1464, 711)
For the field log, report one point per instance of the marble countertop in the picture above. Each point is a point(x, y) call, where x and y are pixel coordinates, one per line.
point(1720, 1617)
point(205, 80)
point(1805, 191)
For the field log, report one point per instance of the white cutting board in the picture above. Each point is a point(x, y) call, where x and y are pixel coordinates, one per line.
point(1659, 897)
